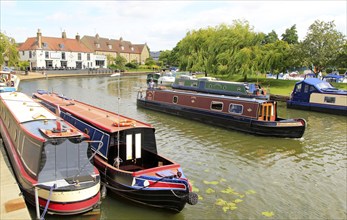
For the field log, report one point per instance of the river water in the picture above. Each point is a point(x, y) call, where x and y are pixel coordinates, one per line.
point(236, 175)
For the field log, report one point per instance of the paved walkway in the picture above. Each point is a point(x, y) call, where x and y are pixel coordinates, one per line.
point(12, 203)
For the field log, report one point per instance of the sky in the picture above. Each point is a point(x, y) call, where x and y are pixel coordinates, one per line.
point(162, 24)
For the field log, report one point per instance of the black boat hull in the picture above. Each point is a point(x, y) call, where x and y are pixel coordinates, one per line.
point(247, 125)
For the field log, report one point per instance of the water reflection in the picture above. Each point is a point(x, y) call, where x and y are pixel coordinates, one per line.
point(236, 175)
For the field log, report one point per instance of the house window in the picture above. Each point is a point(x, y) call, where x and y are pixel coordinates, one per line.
point(88, 56)
point(97, 45)
point(110, 46)
point(61, 46)
point(132, 48)
point(235, 108)
point(44, 45)
point(175, 99)
point(122, 47)
point(63, 56)
point(218, 106)
point(23, 52)
point(328, 99)
point(30, 54)
point(46, 55)
point(79, 56)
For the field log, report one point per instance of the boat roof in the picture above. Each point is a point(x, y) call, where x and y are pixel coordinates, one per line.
point(24, 108)
point(98, 117)
point(217, 96)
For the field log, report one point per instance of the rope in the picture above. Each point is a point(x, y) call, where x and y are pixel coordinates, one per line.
point(48, 201)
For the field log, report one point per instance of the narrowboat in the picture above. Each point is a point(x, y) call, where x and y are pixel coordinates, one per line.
point(49, 157)
point(9, 82)
point(128, 160)
point(213, 86)
point(318, 95)
point(255, 116)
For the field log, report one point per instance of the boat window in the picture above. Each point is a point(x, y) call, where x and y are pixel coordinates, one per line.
point(138, 145)
point(328, 99)
point(194, 84)
point(235, 108)
point(175, 99)
point(217, 106)
point(306, 88)
point(312, 89)
point(224, 87)
point(129, 147)
point(298, 88)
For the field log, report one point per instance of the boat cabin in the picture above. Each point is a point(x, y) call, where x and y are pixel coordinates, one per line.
point(314, 90)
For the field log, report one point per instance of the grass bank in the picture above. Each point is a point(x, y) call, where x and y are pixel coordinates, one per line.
point(274, 86)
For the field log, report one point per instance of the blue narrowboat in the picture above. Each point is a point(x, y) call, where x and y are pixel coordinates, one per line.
point(318, 95)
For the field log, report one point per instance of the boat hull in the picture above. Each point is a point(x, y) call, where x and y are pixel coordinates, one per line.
point(337, 110)
point(121, 184)
point(264, 128)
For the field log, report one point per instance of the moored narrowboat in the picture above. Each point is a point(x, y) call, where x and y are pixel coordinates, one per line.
point(253, 116)
point(214, 86)
point(49, 157)
point(318, 95)
point(128, 159)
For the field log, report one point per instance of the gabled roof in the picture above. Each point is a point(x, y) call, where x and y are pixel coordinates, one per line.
point(55, 44)
point(117, 46)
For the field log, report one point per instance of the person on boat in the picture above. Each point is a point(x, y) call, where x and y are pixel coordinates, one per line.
point(151, 84)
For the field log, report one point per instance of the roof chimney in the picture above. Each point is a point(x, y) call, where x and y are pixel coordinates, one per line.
point(63, 35)
point(97, 36)
point(39, 38)
point(78, 37)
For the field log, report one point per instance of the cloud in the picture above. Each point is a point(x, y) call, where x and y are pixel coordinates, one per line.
point(162, 24)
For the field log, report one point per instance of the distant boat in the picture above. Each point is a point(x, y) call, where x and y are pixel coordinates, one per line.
point(128, 160)
point(213, 86)
point(166, 79)
point(115, 74)
point(249, 115)
point(9, 82)
point(48, 154)
point(318, 95)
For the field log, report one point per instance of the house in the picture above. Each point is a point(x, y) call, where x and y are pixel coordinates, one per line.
point(59, 53)
point(113, 48)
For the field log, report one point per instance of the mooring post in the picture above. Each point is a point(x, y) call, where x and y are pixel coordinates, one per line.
point(37, 204)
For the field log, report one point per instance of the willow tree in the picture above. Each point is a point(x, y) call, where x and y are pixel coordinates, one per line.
point(8, 51)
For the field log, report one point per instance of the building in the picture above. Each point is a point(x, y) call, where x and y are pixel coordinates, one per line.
point(155, 55)
point(111, 47)
point(59, 53)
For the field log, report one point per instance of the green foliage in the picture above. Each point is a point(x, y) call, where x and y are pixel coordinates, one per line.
point(8, 51)
point(132, 65)
point(23, 65)
point(323, 46)
point(290, 35)
point(271, 37)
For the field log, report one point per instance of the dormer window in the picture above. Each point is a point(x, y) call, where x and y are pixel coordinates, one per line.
point(44, 45)
point(122, 47)
point(61, 46)
point(97, 45)
point(132, 48)
point(109, 46)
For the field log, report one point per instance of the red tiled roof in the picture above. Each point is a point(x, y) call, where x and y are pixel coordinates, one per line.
point(91, 43)
point(53, 43)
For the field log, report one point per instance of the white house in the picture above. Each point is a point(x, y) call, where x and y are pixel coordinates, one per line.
point(59, 53)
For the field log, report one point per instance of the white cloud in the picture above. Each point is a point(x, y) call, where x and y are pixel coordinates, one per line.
point(162, 24)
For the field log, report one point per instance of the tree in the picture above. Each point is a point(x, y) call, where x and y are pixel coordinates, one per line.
point(120, 62)
point(290, 35)
point(322, 45)
point(271, 37)
point(8, 51)
point(165, 57)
